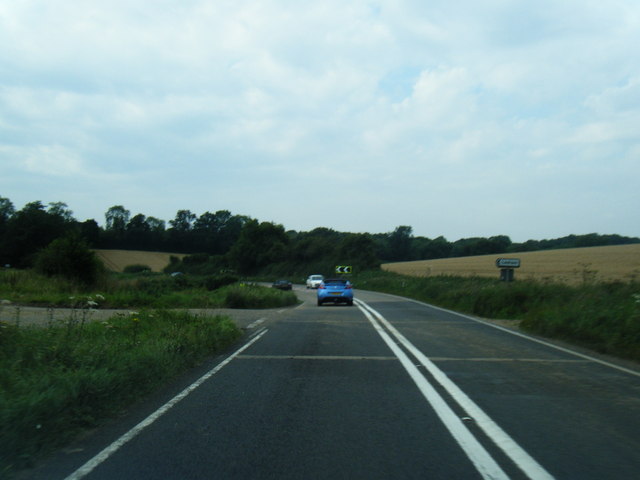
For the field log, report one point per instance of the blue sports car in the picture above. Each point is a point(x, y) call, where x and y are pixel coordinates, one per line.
point(335, 290)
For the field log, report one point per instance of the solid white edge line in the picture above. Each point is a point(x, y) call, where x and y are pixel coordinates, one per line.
point(522, 335)
point(481, 459)
point(115, 446)
point(517, 454)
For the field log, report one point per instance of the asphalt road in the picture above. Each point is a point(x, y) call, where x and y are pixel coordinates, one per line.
point(389, 388)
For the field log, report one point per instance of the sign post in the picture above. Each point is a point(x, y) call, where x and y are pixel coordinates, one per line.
point(506, 266)
point(344, 269)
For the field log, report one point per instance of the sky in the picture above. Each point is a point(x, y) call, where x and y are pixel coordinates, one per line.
point(460, 119)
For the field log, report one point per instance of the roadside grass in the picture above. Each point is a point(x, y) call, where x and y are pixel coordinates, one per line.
point(142, 290)
point(604, 317)
point(58, 380)
point(254, 296)
point(63, 377)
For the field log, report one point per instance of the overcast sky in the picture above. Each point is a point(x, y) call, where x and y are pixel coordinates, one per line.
point(462, 119)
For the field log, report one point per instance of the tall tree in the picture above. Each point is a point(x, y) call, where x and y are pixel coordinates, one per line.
point(259, 245)
point(215, 233)
point(400, 243)
point(156, 225)
point(206, 232)
point(183, 221)
point(428, 249)
point(138, 233)
point(91, 232)
point(359, 251)
point(158, 233)
point(6, 211)
point(60, 209)
point(117, 218)
point(180, 232)
point(29, 230)
point(231, 227)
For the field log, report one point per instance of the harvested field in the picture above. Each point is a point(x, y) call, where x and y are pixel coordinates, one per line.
point(117, 260)
point(571, 266)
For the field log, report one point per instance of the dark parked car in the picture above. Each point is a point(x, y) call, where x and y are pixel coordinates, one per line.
point(282, 284)
point(335, 290)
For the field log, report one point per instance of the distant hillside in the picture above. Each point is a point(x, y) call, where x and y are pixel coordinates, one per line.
point(117, 260)
point(572, 265)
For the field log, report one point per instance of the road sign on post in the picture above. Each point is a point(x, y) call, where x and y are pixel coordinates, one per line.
point(506, 274)
point(508, 262)
point(343, 269)
point(506, 266)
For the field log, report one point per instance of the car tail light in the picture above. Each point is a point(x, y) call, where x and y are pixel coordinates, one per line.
point(321, 286)
point(348, 287)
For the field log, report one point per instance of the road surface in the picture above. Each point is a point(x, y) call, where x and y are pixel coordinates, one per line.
point(388, 388)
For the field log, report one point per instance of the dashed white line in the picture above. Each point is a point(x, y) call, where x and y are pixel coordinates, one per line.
point(256, 323)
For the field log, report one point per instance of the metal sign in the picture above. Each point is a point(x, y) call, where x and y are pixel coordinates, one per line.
point(343, 269)
point(508, 262)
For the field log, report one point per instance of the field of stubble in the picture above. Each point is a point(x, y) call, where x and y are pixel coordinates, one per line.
point(117, 260)
point(570, 266)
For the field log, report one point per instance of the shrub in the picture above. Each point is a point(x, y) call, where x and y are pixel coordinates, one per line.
point(137, 268)
point(251, 296)
point(71, 258)
point(197, 264)
point(213, 282)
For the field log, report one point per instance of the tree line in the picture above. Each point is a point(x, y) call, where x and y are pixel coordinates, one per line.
point(222, 240)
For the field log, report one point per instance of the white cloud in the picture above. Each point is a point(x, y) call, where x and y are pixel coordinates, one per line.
point(617, 99)
point(55, 161)
point(227, 101)
point(52, 160)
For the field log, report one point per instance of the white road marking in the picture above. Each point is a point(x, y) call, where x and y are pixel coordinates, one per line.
point(481, 459)
point(256, 323)
point(516, 453)
point(507, 360)
point(312, 357)
point(89, 466)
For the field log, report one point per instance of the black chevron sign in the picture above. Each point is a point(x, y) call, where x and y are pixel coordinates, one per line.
point(343, 269)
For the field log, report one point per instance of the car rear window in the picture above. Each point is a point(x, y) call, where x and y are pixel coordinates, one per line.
point(335, 281)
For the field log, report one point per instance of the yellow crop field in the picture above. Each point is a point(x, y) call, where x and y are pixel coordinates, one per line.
point(572, 266)
point(117, 260)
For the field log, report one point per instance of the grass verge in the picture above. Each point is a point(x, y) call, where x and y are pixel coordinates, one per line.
point(57, 381)
point(254, 296)
point(154, 291)
point(604, 317)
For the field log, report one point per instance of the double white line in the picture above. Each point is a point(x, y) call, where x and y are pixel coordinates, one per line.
point(481, 459)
